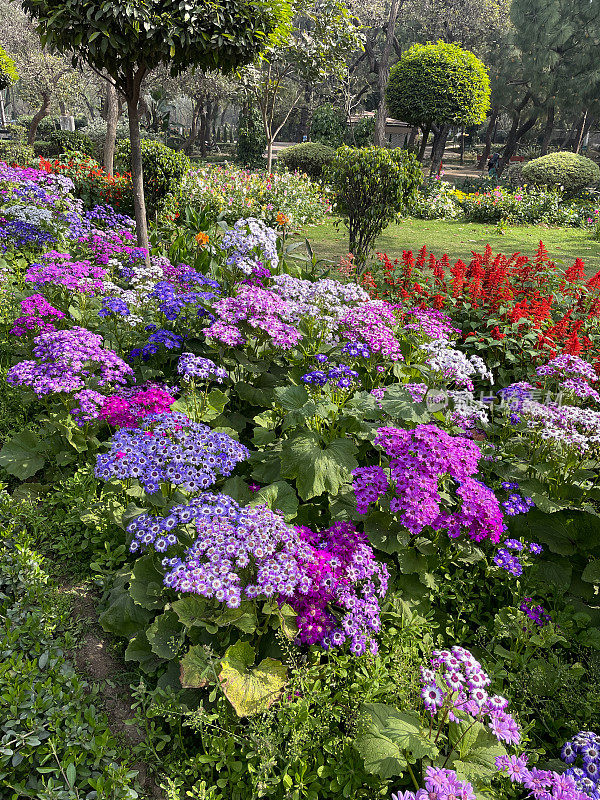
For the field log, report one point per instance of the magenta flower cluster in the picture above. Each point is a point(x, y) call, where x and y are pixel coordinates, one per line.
point(253, 311)
point(440, 784)
point(170, 449)
point(541, 784)
point(67, 361)
point(456, 684)
point(122, 411)
point(59, 269)
point(422, 462)
point(346, 585)
point(373, 324)
point(37, 316)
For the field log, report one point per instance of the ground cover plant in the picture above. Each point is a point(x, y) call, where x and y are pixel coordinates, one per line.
point(345, 523)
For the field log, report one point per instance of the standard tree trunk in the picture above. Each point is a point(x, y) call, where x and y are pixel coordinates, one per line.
point(269, 154)
point(488, 138)
point(137, 173)
point(515, 135)
point(548, 129)
point(112, 118)
point(2, 112)
point(202, 134)
point(439, 146)
point(426, 130)
point(43, 111)
point(383, 73)
point(462, 145)
point(194, 130)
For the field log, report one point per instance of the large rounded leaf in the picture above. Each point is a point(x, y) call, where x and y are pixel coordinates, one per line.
point(250, 691)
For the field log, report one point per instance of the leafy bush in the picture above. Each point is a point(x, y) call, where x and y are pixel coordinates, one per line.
point(15, 152)
point(439, 83)
point(570, 171)
point(361, 133)
point(8, 70)
point(328, 125)
point(163, 169)
point(233, 194)
point(311, 158)
point(370, 187)
point(41, 147)
point(251, 140)
point(69, 141)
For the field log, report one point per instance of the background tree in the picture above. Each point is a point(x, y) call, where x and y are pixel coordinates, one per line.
point(439, 84)
point(322, 36)
point(8, 76)
point(128, 40)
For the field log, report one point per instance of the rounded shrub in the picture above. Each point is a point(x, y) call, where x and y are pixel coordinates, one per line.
point(67, 141)
point(16, 152)
point(569, 170)
point(371, 185)
point(311, 158)
point(163, 169)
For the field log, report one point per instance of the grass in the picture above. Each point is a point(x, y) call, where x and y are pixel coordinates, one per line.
point(457, 239)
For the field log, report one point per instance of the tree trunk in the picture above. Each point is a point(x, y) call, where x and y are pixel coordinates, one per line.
point(194, 130)
point(43, 111)
point(488, 138)
point(137, 173)
point(515, 135)
point(412, 137)
point(462, 145)
point(437, 152)
point(548, 129)
point(426, 130)
point(580, 131)
point(63, 108)
point(202, 133)
point(269, 155)
point(112, 118)
point(383, 73)
point(2, 112)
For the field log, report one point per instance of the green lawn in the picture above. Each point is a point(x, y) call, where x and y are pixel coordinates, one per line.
point(457, 239)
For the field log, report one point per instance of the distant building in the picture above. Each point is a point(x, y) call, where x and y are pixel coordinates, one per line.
point(396, 131)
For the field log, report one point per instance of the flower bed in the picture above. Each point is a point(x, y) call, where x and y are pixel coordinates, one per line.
point(350, 545)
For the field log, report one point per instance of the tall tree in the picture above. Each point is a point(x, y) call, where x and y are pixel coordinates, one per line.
point(127, 40)
point(8, 76)
point(322, 36)
point(439, 84)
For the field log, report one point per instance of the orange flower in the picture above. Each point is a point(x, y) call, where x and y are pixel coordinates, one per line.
point(202, 238)
point(282, 220)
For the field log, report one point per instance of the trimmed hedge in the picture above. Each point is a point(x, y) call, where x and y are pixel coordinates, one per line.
point(163, 169)
point(68, 141)
point(569, 170)
point(16, 152)
point(310, 157)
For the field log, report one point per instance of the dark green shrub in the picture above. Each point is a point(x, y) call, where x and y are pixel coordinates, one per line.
point(251, 141)
point(16, 152)
point(371, 185)
point(569, 170)
point(328, 125)
point(42, 147)
point(66, 141)
point(309, 157)
point(163, 169)
point(361, 133)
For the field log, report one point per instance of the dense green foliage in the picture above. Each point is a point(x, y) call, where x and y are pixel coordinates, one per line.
point(328, 125)
point(164, 168)
point(311, 158)
point(438, 83)
point(251, 140)
point(69, 141)
point(370, 187)
point(8, 70)
point(570, 171)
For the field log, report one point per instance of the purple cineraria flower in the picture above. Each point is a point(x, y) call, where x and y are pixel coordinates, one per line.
point(418, 460)
point(66, 361)
point(193, 367)
point(170, 449)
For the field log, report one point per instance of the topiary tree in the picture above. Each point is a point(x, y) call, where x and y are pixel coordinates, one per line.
point(569, 170)
point(126, 40)
point(8, 76)
point(438, 85)
point(309, 157)
point(371, 185)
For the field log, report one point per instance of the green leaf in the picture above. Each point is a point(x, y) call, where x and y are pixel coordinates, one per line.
point(123, 617)
point(591, 574)
point(250, 691)
point(139, 650)
point(291, 398)
point(237, 488)
point(195, 668)
point(316, 467)
point(381, 756)
point(146, 587)
point(280, 496)
point(479, 762)
point(21, 455)
point(165, 635)
point(191, 610)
